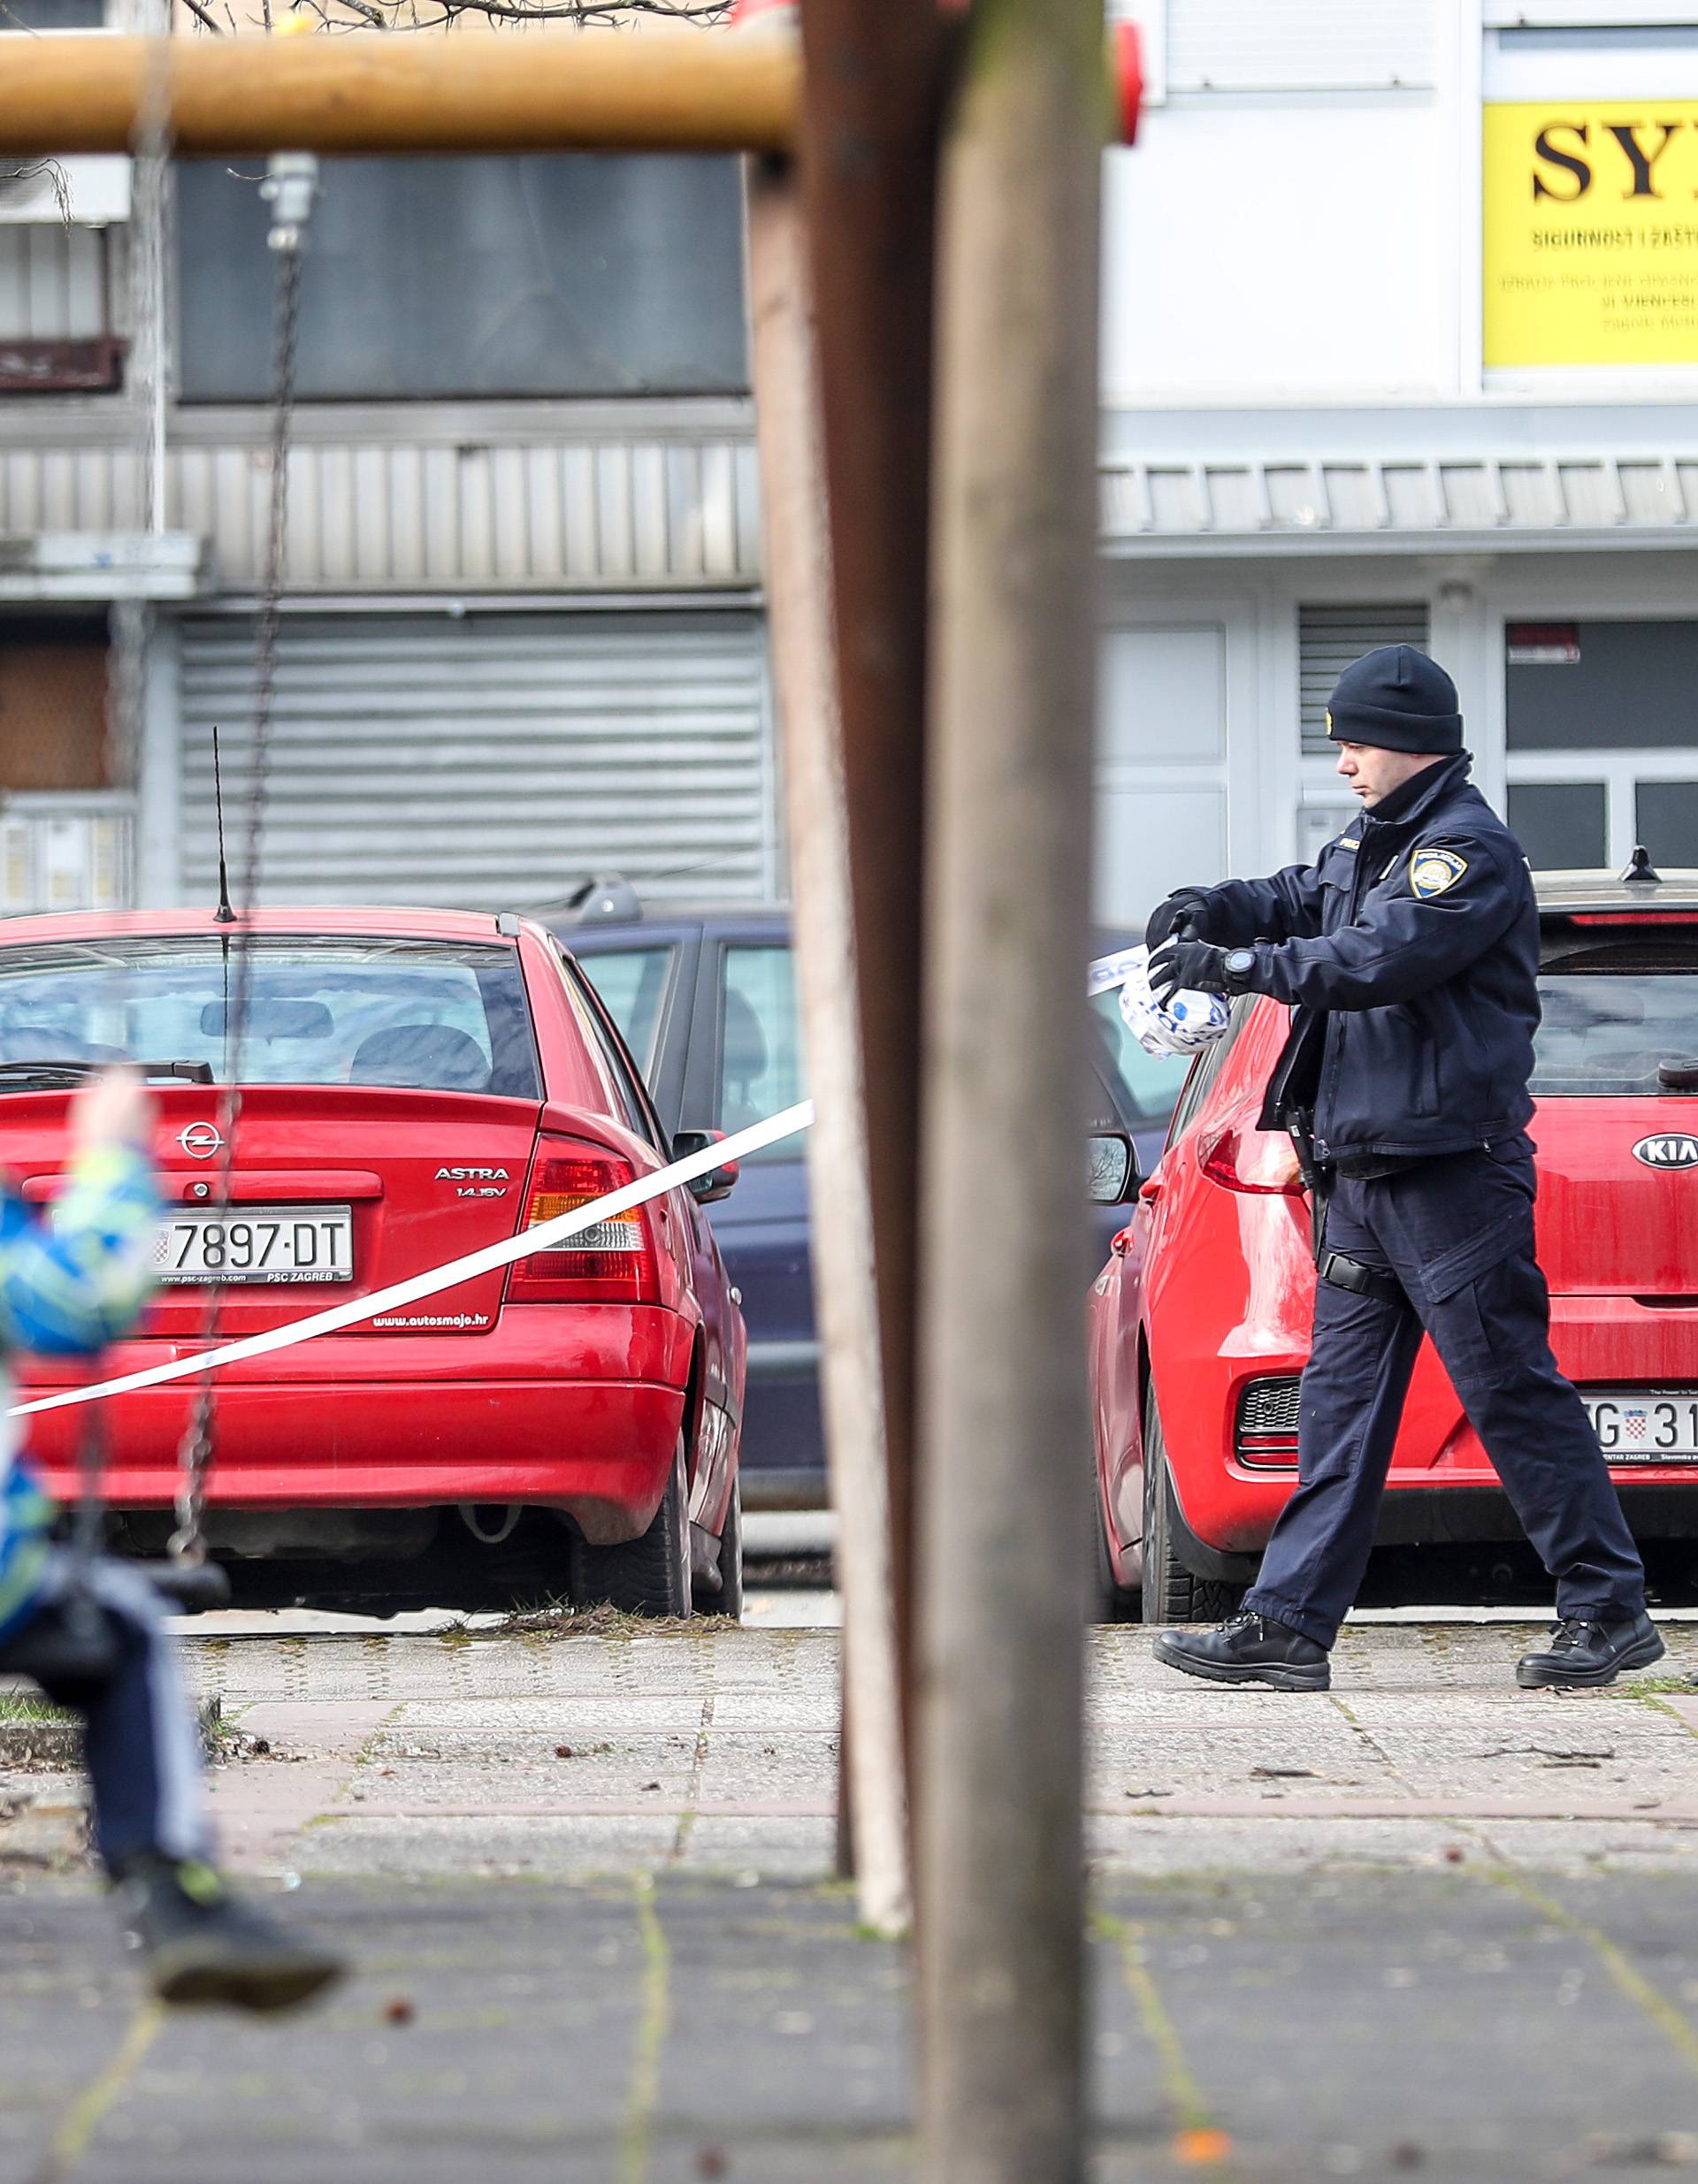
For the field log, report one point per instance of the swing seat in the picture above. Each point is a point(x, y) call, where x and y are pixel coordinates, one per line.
point(66, 1653)
point(192, 1588)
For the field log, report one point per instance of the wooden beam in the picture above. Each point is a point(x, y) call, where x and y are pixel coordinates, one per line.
point(798, 554)
point(868, 163)
point(1006, 1426)
point(653, 91)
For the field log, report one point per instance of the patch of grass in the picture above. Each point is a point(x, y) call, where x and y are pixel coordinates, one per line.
point(25, 1707)
point(1648, 1686)
point(553, 1619)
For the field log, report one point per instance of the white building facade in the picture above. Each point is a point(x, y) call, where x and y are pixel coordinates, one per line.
point(1401, 344)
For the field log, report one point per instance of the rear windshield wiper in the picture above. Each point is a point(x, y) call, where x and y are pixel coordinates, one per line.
point(20, 1075)
point(192, 1073)
point(57, 1072)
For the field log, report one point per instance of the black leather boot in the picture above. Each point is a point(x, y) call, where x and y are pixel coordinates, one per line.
point(1581, 1654)
point(1249, 1649)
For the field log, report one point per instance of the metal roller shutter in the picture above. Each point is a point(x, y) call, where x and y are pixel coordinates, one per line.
point(488, 760)
point(1329, 638)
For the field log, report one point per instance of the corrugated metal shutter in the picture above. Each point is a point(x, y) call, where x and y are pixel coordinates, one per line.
point(1329, 638)
point(491, 761)
point(1309, 45)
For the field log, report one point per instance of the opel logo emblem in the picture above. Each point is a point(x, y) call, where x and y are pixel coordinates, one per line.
point(1672, 1150)
point(201, 1139)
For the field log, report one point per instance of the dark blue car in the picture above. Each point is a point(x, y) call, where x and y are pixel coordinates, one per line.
point(707, 1001)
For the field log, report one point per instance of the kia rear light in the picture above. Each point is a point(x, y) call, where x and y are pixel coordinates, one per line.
point(1266, 1437)
point(611, 1262)
point(1242, 1158)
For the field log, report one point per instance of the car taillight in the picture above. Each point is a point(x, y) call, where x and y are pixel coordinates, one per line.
point(1267, 1423)
point(611, 1262)
point(1242, 1158)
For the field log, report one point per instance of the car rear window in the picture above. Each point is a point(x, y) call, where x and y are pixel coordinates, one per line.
point(429, 1015)
point(1611, 1017)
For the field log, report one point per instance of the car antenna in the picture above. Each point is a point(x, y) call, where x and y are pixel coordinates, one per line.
point(225, 915)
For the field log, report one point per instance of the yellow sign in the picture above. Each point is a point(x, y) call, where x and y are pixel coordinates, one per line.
point(1590, 229)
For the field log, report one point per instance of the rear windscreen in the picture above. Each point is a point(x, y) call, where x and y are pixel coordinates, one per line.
point(1608, 1029)
point(428, 1015)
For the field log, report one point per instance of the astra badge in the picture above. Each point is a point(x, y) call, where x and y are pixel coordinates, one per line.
point(1674, 1149)
point(201, 1139)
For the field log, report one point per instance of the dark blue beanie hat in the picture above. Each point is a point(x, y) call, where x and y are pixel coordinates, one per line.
point(1397, 699)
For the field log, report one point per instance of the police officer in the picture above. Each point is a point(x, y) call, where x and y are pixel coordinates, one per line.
point(1410, 954)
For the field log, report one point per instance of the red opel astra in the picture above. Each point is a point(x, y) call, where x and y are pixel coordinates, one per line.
point(1199, 1323)
point(416, 1085)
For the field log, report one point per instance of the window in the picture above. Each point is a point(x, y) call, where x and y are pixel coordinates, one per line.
point(628, 1094)
point(1561, 824)
point(1150, 1083)
point(633, 984)
point(1603, 1036)
point(417, 1014)
point(1626, 685)
point(1666, 814)
point(55, 730)
point(760, 1042)
point(545, 276)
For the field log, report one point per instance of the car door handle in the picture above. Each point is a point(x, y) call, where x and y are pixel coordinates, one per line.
point(1121, 1242)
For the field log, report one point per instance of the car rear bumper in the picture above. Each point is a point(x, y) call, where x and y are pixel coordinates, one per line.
point(599, 1451)
point(1442, 1489)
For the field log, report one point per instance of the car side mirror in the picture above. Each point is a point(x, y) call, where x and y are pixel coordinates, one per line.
point(719, 1183)
point(1113, 1168)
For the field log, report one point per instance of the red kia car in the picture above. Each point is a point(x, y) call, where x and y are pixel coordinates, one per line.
point(416, 1085)
point(1199, 1323)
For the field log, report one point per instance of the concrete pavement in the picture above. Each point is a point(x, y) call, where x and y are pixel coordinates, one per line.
point(1426, 1921)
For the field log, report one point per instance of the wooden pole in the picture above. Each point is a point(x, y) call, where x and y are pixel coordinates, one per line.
point(653, 91)
point(1005, 1259)
point(868, 159)
point(798, 559)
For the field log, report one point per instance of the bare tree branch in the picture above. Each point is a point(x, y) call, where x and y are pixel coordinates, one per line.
point(353, 15)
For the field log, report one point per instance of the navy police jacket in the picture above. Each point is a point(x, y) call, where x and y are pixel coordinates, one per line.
point(1410, 950)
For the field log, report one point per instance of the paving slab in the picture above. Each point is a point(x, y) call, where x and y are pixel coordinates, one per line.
point(1423, 1922)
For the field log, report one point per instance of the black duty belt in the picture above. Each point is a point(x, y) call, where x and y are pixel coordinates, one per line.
point(1365, 1281)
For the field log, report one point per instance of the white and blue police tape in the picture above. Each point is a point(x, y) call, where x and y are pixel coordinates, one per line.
point(1181, 1025)
point(543, 1237)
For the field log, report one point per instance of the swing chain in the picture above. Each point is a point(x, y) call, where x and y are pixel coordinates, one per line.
point(290, 186)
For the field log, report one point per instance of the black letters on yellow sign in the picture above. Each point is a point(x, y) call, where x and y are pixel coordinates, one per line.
point(1577, 167)
point(1641, 162)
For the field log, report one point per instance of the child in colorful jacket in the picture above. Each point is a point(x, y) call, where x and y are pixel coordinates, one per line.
point(91, 1634)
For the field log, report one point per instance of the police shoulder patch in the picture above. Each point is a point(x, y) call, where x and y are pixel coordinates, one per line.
point(1431, 871)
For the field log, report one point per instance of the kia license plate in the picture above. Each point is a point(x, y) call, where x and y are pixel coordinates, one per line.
point(257, 1243)
point(1644, 1425)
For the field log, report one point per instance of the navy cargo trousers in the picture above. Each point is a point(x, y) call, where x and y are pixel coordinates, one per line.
point(1454, 1237)
point(139, 1742)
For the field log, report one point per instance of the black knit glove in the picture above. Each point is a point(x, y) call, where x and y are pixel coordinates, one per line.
point(1188, 966)
point(1182, 912)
